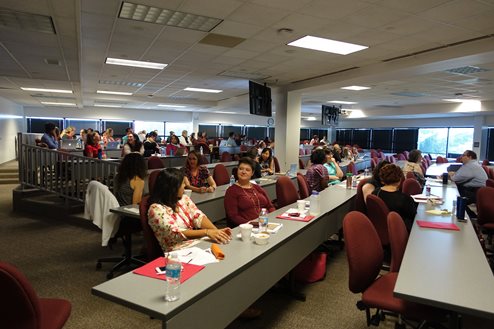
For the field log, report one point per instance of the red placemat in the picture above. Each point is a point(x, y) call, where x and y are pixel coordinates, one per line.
point(300, 219)
point(439, 225)
point(149, 270)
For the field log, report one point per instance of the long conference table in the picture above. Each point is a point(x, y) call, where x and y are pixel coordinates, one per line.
point(444, 268)
point(236, 282)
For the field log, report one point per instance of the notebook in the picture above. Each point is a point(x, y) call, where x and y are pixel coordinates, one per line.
point(112, 145)
point(180, 151)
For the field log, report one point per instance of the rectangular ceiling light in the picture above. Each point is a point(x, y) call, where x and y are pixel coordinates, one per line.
point(142, 64)
point(201, 90)
point(149, 14)
point(108, 105)
point(58, 104)
point(62, 91)
point(113, 92)
point(171, 105)
point(327, 45)
point(343, 102)
point(355, 88)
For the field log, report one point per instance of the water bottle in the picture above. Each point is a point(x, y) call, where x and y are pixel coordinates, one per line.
point(263, 220)
point(100, 154)
point(427, 188)
point(314, 203)
point(349, 180)
point(232, 180)
point(366, 172)
point(79, 144)
point(173, 271)
point(201, 151)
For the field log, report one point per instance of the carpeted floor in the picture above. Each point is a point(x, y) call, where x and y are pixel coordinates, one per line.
point(59, 259)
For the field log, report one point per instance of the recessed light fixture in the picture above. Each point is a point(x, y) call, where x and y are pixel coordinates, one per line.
point(202, 90)
point(62, 91)
point(343, 102)
point(142, 64)
point(113, 92)
point(354, 113)
point(311, 118)
point(327, 45)
point(356, 88)
point(108, 105)
point(171, 105)
point(224, 112)
point(58, 104)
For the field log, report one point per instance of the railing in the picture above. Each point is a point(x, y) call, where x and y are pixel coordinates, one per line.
point(61, 173)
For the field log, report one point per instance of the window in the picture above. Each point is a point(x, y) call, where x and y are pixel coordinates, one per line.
point(37, 125)
point(344, 136)
point(117, 126)
point(149, 126)
point(235, 129)
point(459, 140)
point(259, 133)
point(271, 133)
point(79, 124)
point(304, 134)
point(361, 137)
point(382, 139)
point(433, 141)
point(177, 127)
point(405, 140)
point(209, 129)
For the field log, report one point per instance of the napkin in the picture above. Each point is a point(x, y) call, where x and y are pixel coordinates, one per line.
point(217, 252)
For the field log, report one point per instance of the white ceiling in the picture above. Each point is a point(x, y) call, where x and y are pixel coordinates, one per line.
point(88, 31)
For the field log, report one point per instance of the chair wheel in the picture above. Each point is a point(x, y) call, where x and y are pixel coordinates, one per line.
point(382, 316)
point(109, 276)
point(375, 319)
point(98, 265)
point(360, 305)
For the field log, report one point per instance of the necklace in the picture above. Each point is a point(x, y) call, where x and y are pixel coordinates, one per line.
point(257, 206)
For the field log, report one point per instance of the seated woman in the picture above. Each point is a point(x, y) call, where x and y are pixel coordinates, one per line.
point(108, 136)
point(413, 165)
point(317, 175)
point(266, 161)
point(391, 176)
point(375, 181)
point(129, 182)
point(197, 178)
point(150, 145)
point(92, 147)
point(133, 145)
point(68, 133)
point(244, 200)
point(174, 218)
point(252, 153)
point(334, 171)
point(173, 146)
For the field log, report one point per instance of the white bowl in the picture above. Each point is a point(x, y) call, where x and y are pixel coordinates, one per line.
point(261, 238)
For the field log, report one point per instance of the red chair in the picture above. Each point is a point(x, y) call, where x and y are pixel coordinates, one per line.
point(286, 193)
point(378, 212)
point(220, 174)
point(303, 187)
point(401, 157)
point(410, 174)
point(225, 157)
point(406, 154)
point(276, 164)
point(398, 238)
point(485, 210)
point(365, 256)
point(301, 164)
point(489, 182)
point(21, 307)
point(151, 244)
point(440, 159)
point(243, 148)
point(491, 173)
point(351, 168)
point(486, 169)
point(155, 163)
point(203, 160)
point(359, 197)
point(486, 162)
point(152, 179)
point(374, 162)
point(411, 186)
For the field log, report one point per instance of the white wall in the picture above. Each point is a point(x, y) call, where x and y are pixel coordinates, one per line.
point(11, 122)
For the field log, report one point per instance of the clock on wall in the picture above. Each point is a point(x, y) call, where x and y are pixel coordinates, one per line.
point(270, 121)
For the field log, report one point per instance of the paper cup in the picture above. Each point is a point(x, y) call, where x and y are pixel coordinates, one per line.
point(301, 205)
point(188, 192)
point(245, 231)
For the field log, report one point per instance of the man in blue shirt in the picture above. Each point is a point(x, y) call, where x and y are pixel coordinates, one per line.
point(470, 177)
point(49, 136)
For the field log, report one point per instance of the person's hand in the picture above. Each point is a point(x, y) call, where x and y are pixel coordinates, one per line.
point(202, 189)
point(222, 236)
point(210, 189)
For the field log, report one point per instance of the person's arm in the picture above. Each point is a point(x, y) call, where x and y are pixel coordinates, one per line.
point(269, 205)
point(50, 141)
point(137, 184)
point(271, 167)
point(367, 189)
point(231, 202)
point(339, 172)
point(189, 186)
point(323, 177)
point(212, 184)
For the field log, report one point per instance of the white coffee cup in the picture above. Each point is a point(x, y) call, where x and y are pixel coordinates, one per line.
point(301, 205)
point(245, 231)
point(188, 192)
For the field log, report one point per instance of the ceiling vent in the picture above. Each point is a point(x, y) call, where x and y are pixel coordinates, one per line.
point(121, 83)
point(244, 75)
point(221, 40)
point(150, 14)
point(466, 70)
point(17, 20)
point(52, 61)
point(408, 94)
point(327, 74)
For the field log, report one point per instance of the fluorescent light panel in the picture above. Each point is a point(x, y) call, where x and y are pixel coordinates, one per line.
point(171, 105)
point(61, 91)
point(132, 63)
point(58, 104)
point(113, 92)
point(202, 90)
point(108, 105)
point(343, 102)
point(355, 88)
point(327, 45)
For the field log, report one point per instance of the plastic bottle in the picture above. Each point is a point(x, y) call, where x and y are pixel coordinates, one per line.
point(366, 172)
point(349, 180)
point(427, 188)
point(201, 150)
point(263, 220)
point(173, 271)
point(232, 180)
point(314, 203)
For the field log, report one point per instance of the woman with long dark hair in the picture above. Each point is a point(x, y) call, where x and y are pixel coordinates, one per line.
point(133, 144)
point(174, 218)
point(129, 182)
point(197, 178)
point(266, 161)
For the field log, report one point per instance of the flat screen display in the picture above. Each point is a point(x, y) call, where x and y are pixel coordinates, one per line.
point(259, 99)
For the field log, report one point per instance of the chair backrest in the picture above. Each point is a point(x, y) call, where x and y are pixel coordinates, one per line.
point(378, 212)
point(301, 164)
point(486, 169)
point(276, 164)
point(351, 168)
point(155, 163)
point(152, 180)
point(411, 186)
point(363, 249)
point(374, 162)
point(401, 157)
point(491, 173)
point(303, 187)
point(243, 148)
point(203, 160)
point(406, 154)
point(489, 182)
point(153, 248)
point(220, 174)
point(485, 206)
point(486, 162)
point(225, 157)
point(286, 193)
point(359, 197)
point(398, 238)
point(440, 159)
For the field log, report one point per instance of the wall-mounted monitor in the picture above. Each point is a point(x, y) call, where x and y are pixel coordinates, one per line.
point(259, 99)
point(330, 115)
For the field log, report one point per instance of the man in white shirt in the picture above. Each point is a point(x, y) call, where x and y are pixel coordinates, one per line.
point(470, 177)
point(184, 139)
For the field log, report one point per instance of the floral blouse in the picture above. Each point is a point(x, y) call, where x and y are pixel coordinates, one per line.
point(168, 225)
point(201, 179)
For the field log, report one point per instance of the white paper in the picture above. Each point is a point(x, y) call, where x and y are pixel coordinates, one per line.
point(196, 256)
point(132, 210)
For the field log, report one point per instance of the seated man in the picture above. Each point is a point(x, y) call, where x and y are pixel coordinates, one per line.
point(470, 177)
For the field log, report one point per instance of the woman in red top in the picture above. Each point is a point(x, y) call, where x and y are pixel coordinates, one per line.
point(173, 146)
point(92, 145)
point(244, 200)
